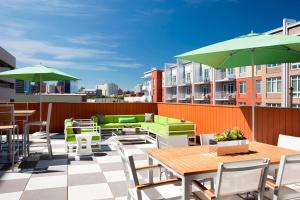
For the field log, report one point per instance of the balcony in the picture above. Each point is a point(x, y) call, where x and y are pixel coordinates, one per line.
point(201, 96)
point(102, 175)
point(225, 75)
point(201, 80)
point(223, 95)
point(184, 97)
point(171, 82)
point(184, 81)
point(171, 97)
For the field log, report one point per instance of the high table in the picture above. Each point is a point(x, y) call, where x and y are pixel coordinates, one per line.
point(196, 162)
point(24, 113)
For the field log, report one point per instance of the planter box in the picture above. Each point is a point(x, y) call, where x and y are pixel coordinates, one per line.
point(230, 147)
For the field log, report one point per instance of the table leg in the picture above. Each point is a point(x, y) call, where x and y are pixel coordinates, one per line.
point(150, 172)
point(186, 188)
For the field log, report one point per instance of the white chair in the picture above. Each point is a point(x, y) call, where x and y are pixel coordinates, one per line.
point(172, 141)
point(236, 178)
point(204, 138)
point(139, 190)
point(289, 142)
point(41, 124)
point(8, 126)
point(288, 175)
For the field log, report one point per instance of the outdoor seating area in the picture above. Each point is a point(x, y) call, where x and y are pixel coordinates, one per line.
point(109, 164)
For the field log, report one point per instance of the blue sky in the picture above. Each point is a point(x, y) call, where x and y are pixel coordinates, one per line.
point(117, 40)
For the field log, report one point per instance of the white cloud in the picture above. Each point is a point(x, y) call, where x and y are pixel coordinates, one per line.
point(53, 7)
point(89, 39)
point(15, 38)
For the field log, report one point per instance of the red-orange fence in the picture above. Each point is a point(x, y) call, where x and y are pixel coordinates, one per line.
point(269, 122)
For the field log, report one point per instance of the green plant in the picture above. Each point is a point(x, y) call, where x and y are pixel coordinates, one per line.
point(230, 134)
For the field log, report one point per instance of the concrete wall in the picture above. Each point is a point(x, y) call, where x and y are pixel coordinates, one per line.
point(72, 98)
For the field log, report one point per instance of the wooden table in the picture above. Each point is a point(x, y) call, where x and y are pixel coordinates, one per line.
point(23, 113)
point(195, 162)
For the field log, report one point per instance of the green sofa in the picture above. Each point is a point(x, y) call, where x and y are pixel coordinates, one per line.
point(163, 126)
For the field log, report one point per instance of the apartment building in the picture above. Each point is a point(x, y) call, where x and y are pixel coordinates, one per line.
point(7, 86)
point(108, 89)
point(152, 85)
point(275, 85)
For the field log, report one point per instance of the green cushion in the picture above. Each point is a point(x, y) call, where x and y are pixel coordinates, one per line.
point(108, 119)
point(72, 138)
point(127, 120)
point(112, 125)
point(139, 118)
point(163, 120)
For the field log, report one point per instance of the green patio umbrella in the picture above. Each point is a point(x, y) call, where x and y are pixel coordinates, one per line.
point(251, 49)
point(38, 73)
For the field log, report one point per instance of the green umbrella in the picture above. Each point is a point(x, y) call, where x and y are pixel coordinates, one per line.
point(38, 73)
point(251, 49)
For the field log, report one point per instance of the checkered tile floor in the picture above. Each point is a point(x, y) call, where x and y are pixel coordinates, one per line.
point(64, 177)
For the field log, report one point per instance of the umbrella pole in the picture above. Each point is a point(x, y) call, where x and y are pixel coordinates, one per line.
point(253, 97)
point(40, 101)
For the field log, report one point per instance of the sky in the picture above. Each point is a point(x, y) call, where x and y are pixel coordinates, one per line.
point(116, 41)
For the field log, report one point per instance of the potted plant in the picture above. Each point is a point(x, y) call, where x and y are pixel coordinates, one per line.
point(231, 141)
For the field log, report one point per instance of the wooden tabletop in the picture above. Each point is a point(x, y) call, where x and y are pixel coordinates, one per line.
point(23, 113)
point(197, 159)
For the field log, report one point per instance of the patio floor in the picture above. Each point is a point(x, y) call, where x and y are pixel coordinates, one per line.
point(63, 177)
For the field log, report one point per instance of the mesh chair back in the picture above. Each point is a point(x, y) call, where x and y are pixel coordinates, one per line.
point(289, 170)
point(240, 177)
point(128, 165)
point(204, 138)
point(172, 141)
point(289, 142)
point(6, 114)
point(49, 116)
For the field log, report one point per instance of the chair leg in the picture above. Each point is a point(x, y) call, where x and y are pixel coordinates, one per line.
point(49, 146)
point(12, 150)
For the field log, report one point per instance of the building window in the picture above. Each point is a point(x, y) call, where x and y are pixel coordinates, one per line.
point(173, 79)
point(242, 103)
point(188, 77)
point(204, 90)
point(242, 87)
point(295, 83)
point(295, 66)
point(296, 105)
point(272, 65)
point(206, 72)
point(273, 105)
point(187, 90)
point(258, 104)
point(200, 70)
point(242, 69)
point(228, 87)
point(230, 70)
point(258, 67)
point(258, 86)
point(273, 85)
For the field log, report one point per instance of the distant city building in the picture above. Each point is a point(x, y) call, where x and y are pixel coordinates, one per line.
point(138, 88)
point(23, 87)
point(108, 89)
point(7, 86)
point(50, 89)
point(68, 87)
point(36, 87)
point(120, 91)
point(91, 92)
point(152, 85)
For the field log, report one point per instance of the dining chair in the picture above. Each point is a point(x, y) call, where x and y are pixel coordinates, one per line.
point(168, 142)
point(235, 178)
point(204, 138)
point(288, 175)
point(137, 190)
point(8, 126)
point(289, 142)
point(41, 124)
